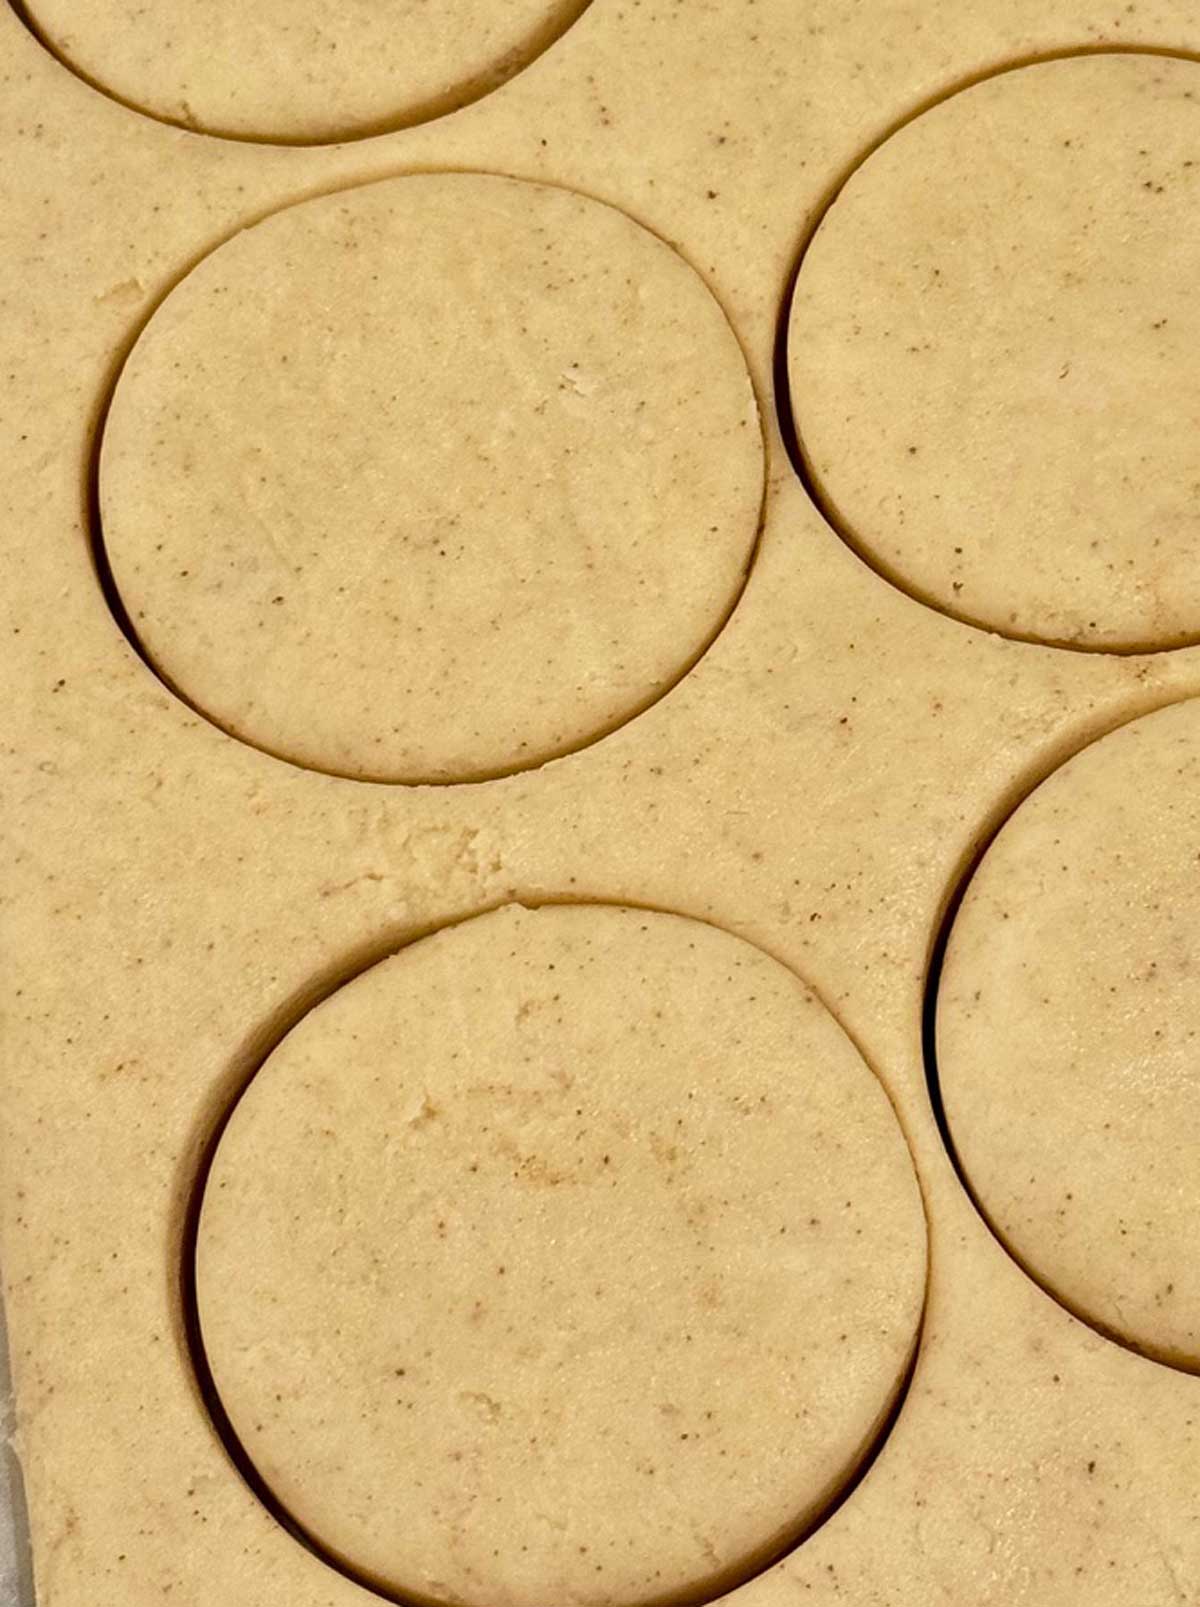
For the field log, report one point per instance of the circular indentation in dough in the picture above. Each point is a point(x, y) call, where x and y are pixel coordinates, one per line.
point(297, 71)
point(1068, 1034)
point(992, 354)
point(568, 1255)
point(432, 480)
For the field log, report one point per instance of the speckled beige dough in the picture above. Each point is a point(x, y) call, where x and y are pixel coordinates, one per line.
point(1067, 1034)
point(432, 480)
point(299, 70)
point(570, 1254)
point(1002, 299)
point(816, 785)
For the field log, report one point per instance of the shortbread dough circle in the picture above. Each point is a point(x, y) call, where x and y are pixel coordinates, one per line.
point(433, 479)
point(299, 70)
point(568, 1255)
point(992, 354)
point(1068, 1034)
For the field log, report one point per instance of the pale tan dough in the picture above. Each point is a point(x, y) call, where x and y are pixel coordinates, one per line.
point(298, 70)
point(571, 1255)
point(1068, 1031)
point(992, 354)
point(433, 479)
point(174, 898)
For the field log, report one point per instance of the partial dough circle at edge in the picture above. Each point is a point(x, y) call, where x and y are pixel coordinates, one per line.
point(1067, 1031)
point(306, 74)
point(999, 300)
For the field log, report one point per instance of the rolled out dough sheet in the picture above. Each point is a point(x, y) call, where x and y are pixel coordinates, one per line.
point(795, 750)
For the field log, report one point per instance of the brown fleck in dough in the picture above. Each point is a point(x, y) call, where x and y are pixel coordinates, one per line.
point(992, 353)
point(433, 479)
point(299, 70)
point(1069, 1033)
point(571, 1255)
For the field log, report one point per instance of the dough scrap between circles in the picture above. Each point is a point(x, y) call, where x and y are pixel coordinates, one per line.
point(432, 480)
point(992, 354)
point(299, 71)
point(1068, 1034)
point(568, 1255)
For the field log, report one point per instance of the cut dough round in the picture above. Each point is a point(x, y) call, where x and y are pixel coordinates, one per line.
point(1068, 1034)
point(298, 71)
point(432, 480)
point(992, 354)
point(568, 1255)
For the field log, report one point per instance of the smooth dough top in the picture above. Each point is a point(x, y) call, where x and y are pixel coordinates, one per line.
point(299, 70)
point(992, 354)
point(432, 480)
point(569, 1256)
point(1068, 1034)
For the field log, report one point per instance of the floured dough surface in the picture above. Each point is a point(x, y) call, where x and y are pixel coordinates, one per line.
point(433, 479)
point(569, 1255)
point(1002, 303)
point(298, 70)
point(1069, 1030)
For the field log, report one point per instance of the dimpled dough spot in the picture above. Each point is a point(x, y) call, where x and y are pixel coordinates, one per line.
point(433, 479)
point(567, 1256)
